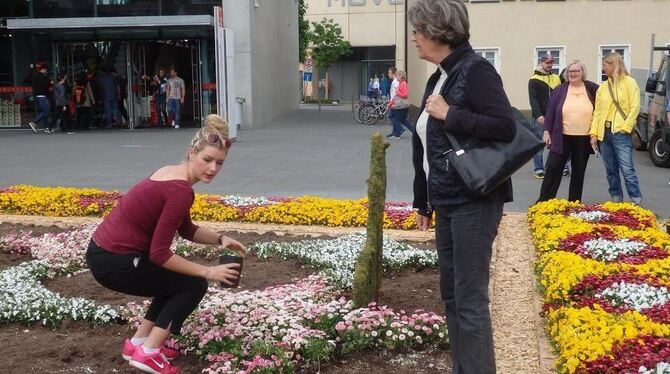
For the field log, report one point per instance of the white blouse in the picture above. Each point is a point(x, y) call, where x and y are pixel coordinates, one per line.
point(422, 122)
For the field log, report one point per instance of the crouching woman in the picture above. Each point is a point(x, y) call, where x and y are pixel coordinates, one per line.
point(130, 250)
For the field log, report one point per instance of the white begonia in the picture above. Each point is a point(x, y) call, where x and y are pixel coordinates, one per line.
point(610, 250)
point(661, 368)
point(336, 258)
point(593, 216)
point(637, 296)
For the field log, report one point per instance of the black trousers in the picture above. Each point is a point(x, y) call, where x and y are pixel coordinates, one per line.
point(84, 117)
point(175, 296)
point(464, 237)
point(577, 148)
point(65, 118)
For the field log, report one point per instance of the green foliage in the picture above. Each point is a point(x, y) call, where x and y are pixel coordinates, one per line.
point(369, 266)
point(328, 43)
point(304, 34)
point(317, 351)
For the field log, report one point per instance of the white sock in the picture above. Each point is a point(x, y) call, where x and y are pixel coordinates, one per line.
point(149, 351)
point(137, 341)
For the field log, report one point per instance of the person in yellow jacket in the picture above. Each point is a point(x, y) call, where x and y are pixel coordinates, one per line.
point(616, 109)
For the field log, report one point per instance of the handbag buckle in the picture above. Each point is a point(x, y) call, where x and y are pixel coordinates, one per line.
point(460, 152)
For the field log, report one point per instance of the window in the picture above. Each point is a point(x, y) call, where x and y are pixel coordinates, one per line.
point(623, 50)
point(558, 53)
point(491, 55)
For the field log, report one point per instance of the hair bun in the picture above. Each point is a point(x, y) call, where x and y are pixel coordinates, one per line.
point(218, 123)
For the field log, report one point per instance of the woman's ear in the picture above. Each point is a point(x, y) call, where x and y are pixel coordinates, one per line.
point(191, 153)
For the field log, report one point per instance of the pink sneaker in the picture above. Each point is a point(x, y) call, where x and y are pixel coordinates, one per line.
point(155, 363)
point(129, 349)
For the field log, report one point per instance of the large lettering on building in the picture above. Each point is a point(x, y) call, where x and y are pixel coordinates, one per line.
point(363, 2)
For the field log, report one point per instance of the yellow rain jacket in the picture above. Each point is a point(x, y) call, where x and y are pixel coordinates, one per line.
point(628, 95)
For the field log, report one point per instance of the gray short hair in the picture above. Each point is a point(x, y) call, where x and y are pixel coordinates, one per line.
point(401, 75)
point(581, 65)
point(443, 20)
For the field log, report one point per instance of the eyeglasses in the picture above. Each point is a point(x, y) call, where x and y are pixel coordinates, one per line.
point(417, 31)
point(216, 139)
point(574, 71)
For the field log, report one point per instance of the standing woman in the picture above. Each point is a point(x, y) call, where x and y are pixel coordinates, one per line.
point(617, 107)
point(400, 107)
point(130, 250)
point(464, 96)
point(566, 132)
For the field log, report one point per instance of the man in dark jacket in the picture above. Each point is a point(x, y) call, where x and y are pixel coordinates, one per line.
point(109, 89)
point(40, 85)
point(540, 85)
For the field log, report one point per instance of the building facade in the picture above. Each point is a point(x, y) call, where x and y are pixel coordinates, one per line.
point(376, 31)
point(137, 38)
point(511, 34)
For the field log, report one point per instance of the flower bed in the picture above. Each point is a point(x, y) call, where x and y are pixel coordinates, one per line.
point(336, 258)
point(604, 272)
point(279, 329)
point(306, 210)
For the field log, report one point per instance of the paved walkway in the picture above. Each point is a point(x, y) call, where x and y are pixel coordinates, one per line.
point(308, 152)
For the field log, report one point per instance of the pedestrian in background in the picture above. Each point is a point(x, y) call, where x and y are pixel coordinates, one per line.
point(109, 88)
point(62, 104)
point(84, 100)
point(464, 96)
point(616, 110)
point(176, 91)
point(399, 107)
point(122, 86)
point(41, 84)
point(566, 132)
point(540, 86)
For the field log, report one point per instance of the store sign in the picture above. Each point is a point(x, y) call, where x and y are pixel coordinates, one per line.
point(364, 2)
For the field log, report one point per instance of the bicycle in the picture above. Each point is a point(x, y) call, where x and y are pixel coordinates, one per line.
point(368, 111)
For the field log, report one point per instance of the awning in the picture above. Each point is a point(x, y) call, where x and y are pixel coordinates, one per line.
point(96, 23)
point(123, 28)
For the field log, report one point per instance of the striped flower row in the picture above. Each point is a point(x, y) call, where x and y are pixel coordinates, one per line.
point(604, 272)
point(306, 210)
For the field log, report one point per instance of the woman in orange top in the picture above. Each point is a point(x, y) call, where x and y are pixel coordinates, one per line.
point(566, 132)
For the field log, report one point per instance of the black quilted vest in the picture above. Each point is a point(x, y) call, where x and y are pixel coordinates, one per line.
point(444, 186)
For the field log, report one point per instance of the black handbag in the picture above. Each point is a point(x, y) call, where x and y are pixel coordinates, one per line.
point(485, 164)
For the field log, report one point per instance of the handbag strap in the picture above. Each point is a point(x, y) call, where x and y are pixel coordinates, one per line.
point(452, 139)
point(616, 103)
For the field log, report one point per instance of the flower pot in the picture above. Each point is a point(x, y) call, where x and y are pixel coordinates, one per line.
point(230, 259)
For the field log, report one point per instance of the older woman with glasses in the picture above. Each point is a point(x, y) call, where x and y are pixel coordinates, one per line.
point(130, 250)
point(465, 97)
point(615, 115)
point(566, 132)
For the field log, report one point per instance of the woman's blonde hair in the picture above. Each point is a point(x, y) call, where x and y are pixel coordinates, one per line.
point(581, 65)
point(619, 66)
point(213, 124)
point(401, 75)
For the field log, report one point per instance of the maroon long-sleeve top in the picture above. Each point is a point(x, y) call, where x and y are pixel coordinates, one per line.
point(147, 218)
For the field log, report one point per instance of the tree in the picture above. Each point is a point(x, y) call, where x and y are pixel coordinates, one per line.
point(328, 45)
point(303, 31)
point(369, 267)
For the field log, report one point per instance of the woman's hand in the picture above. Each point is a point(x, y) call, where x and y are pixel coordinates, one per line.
point(225, 273)
point(422, 222)
point(437, 107)
point(546, 138)
point(230, 243)
point(594, 144)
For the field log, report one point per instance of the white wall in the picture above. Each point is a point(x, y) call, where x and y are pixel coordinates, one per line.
point(266, 57)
